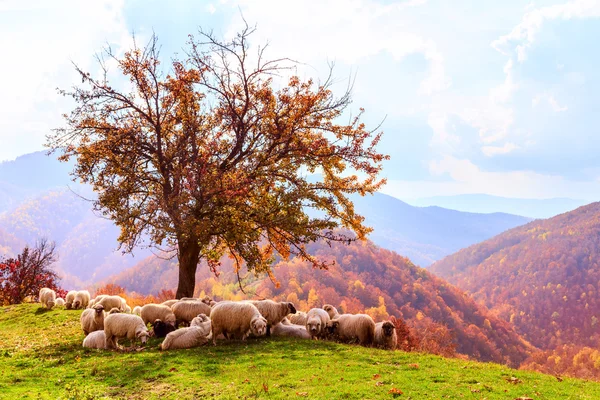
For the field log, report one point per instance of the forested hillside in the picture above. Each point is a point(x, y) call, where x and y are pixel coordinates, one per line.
point(363, 278)
point(543, 277)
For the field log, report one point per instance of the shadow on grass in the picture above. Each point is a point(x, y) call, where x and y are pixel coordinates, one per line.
point(41, 310)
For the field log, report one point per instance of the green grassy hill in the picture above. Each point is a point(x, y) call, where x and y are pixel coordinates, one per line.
point(41, 358)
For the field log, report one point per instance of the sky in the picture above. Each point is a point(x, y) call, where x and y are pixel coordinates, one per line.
point(480, 96)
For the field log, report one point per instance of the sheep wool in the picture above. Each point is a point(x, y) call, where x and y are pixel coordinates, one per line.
point(110, 302)
point(316, 322)
point(69, 299)
point(92, 319)
point(385, 335)
point(81, 300)
point(353, 327)
point(152, 312)
point(238, 319)
point(117, 326)
point(60, 302)
point(95, 340)
point(185, 338)
point(187, 310)
point(47, 297)
point(296, 331)
point(97, 299)
point(137, 310)
point(331, 310)
point(298, 319)
point(273, 312)
point(169, 303)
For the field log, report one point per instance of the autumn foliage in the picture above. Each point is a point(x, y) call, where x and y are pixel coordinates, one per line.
point(29, 272)
point(211, 157)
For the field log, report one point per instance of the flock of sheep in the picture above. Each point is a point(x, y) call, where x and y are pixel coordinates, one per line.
point(106, 319)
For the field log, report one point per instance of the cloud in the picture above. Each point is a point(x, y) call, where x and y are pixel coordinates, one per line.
point(491, 151)
point(552, 102)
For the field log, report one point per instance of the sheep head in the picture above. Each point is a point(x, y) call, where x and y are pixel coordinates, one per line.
point(388, 328)
point(333, 327)
point(143, 335)
point(258, 326)
point(99, 309)
point(291, 308)
point(314, 326)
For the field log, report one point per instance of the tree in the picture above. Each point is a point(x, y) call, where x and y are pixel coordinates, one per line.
point(213, 160)
point(28, 273)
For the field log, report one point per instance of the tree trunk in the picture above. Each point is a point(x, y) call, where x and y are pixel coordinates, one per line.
point(189, 256)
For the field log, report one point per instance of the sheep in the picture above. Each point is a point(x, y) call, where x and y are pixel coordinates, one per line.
point(187, 310)
point(169, 303)
point(81, 300)
point(316, 321)
point(110, 302)
point(273, 312)
point(196, 335)
point(60, 302)
point(127, 309)
point(350, 327)
point(69, 299)
point(114, 310)
point(331, 310)
point(237, 319)
point(290, 331)
point(47, 297)
point(95, 340)
point(161, 329)
point(298, 319)
point(137, 310)
point(385, 335)
point(92, 319)
point(97, 299)
point(208, 301)
point(120, 325)
point(152, 312)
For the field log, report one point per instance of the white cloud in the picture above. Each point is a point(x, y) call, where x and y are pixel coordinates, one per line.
point(491, 151)
point(39, 40)
point(552, 102)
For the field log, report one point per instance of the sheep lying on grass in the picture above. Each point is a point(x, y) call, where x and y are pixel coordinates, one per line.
point(331, 310)
point(152, 312)
point(117, 326)
point(290, 331)
point(186, 310)
point(69, 299)
point(47, 298)
point(316, 322)
point(236, 319)
point(352, 327)
point(92, 319)
point(81, 300)
point(161, 329)
point(298, 319)
point(385, 335)
point(95, 340)
point(185, 338)
point(274, 312)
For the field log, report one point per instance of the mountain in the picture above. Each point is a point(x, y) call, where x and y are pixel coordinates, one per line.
point(483, 203)
point(543, 277)
point(427, 234)
point(364, 277)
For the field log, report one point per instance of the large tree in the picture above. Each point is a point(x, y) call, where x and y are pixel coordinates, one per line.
point(213, 156)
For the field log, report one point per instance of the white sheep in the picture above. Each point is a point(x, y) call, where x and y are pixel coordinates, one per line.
point(385, 335)
point(290, 331)
point(117, 326)
point(316, 322)
point(60, 302)
point(47, 297)
point(187, 310)
point(169, 303)
point(69, 299)
point(127, 309)
point(298, 319)
point(185, 338)
point(353, 327)
point(137, 310)
point(92, 319)
point(331, 310)
point(237, 319)
point(110, 302)
point(96, 299)
point(81, 300)
point(95, 340)
point(152, 312)
point(274, 312)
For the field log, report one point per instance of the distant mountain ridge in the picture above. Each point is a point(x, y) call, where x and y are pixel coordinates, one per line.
point(483, 203)
point(544, 277)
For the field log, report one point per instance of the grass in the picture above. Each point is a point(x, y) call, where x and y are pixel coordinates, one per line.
point(41, 358)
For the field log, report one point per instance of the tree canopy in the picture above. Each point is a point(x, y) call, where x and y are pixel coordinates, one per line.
point(213, 157)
